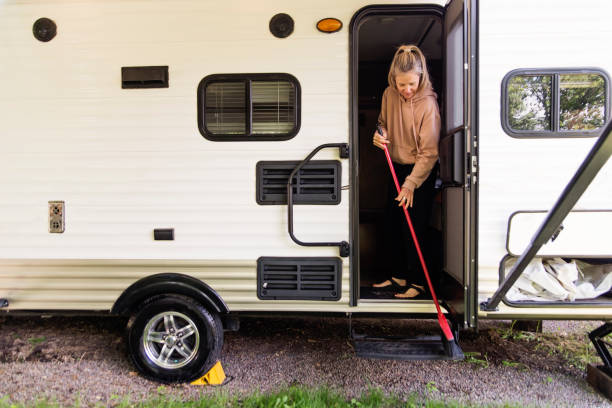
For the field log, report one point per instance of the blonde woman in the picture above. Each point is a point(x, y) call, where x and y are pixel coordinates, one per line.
point(409, 123)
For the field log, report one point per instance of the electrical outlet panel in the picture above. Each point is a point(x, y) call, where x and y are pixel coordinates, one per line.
point(56, 217)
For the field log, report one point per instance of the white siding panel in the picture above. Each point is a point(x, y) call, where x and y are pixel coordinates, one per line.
point(96, 285)
point(573, 240)
point(530, 174)
point(128, 161)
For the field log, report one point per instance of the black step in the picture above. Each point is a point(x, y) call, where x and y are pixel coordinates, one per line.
point(417, 348)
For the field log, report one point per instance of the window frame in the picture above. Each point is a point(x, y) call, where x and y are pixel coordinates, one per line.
point(555, 132)
point(248, 136)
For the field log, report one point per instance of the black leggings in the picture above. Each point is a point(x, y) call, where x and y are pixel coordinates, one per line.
point(403, 259)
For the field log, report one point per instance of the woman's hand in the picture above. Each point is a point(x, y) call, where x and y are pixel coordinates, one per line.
point(405, 196)
point(380, 140)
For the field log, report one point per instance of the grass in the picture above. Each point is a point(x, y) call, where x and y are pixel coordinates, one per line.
point(36, 340)
point(292, 397)
point(472, 357)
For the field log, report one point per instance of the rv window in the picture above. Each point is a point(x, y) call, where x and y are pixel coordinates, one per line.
point(555, 103)
point(243, 107)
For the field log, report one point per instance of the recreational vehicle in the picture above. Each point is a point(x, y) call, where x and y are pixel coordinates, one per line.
point(183, 163)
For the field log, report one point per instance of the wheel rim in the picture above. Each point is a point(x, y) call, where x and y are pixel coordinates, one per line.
point(171, 340)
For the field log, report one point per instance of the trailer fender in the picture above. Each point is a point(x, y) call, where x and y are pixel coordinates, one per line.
point(168, 283)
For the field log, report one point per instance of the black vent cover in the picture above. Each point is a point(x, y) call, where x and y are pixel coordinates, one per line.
point(299, 278)
point(318, 182)
point(144, 77)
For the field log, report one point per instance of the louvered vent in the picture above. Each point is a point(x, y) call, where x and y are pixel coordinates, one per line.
point(318, 182)
point(299, 278)
point(144, 77)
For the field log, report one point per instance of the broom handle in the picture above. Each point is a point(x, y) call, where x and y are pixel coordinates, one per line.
point(443, 323)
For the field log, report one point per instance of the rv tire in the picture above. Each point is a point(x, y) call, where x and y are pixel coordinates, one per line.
point(172, 338)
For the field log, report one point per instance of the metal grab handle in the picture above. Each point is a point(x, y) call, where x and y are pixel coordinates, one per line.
point(344, 154)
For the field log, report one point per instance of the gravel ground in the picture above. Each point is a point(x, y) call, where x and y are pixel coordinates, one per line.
point(68, 359)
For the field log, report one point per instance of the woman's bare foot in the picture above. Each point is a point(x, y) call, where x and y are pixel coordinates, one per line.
point(413, 292)
point(388, 283)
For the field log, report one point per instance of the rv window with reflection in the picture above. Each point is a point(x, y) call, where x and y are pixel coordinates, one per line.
point(554, 103)
point(240, 107)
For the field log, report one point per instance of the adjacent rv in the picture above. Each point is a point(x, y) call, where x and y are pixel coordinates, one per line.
point(148, 149)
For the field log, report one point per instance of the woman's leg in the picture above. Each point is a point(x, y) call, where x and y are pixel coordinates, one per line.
point(420, 214)
point(393, 239)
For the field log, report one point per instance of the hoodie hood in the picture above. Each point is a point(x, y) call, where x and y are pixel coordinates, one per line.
point(420, 96)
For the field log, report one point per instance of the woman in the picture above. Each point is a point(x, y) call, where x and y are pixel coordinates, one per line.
point(410, 123)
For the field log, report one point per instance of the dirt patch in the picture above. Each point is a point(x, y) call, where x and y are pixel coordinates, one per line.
point(73, 339)
point(60, 339)
point(506, 347)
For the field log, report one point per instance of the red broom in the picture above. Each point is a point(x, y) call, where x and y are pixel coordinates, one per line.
point(441, 319)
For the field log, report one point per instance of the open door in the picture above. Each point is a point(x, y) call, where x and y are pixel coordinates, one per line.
point(458, 151)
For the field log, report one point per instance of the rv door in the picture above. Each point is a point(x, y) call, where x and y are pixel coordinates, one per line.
point(458, 150)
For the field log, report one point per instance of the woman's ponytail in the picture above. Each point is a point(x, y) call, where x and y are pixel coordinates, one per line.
point(409, 58)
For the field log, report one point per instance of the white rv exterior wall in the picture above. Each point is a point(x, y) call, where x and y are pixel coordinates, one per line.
point(530, 174)
point(128, 161)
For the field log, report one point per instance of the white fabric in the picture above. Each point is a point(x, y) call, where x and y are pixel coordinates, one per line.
point(554, 279)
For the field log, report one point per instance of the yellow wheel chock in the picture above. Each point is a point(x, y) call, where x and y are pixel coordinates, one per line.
point(215, 376)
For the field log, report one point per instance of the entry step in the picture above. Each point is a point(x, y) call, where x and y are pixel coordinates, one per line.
point(418, 348)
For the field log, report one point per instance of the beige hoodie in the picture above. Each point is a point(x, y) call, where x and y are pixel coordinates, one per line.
point(413, 128)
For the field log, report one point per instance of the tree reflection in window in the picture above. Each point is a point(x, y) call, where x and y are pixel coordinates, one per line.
point(582, 101)
point(529, 100)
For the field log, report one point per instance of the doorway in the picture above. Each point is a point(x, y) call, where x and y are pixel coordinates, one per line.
point(377, 32)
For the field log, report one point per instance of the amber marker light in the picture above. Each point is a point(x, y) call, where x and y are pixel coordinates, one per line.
point(329, 25)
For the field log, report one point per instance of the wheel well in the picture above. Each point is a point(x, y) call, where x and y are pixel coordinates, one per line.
point(168, 283)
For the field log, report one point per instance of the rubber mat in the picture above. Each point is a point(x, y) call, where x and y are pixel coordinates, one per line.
point(422, 348)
